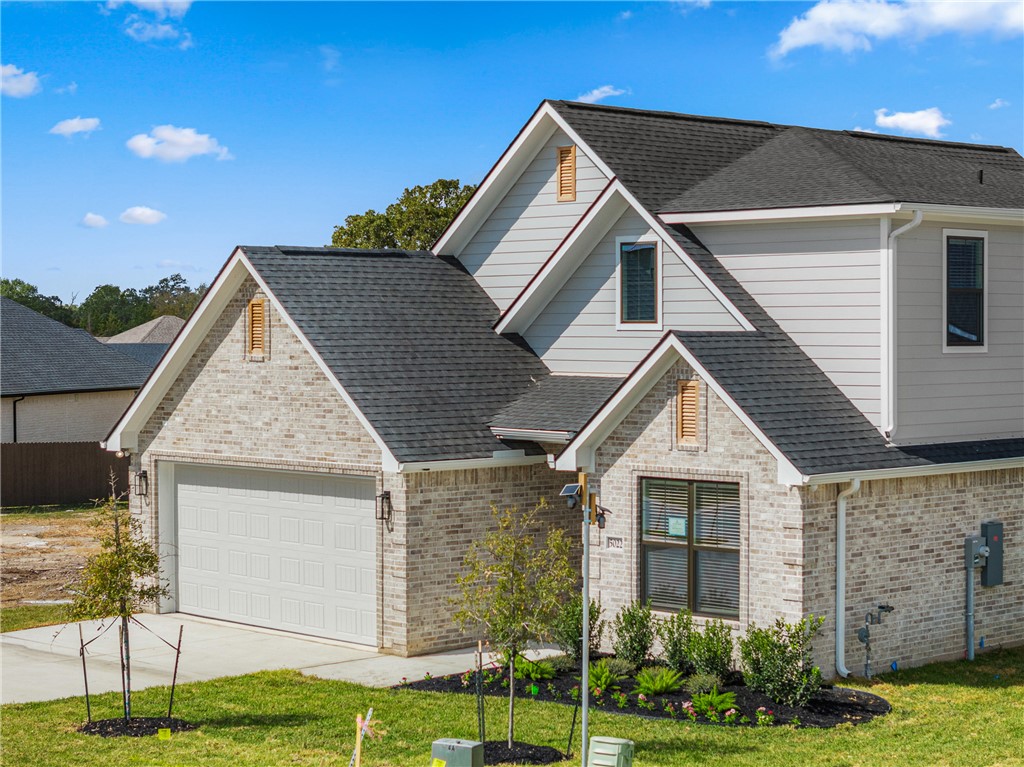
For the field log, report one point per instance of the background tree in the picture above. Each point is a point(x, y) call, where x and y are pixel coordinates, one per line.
point(108, 310)
point(414, 222)
point(512, 588)
point(173, 296)
point(120, 580)
point(29, 295)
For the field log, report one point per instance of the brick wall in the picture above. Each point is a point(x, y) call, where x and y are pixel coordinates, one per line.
point(904, 544)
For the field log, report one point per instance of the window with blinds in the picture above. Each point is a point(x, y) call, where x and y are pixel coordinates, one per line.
point(257, 326)
point(638, 282)
point(965, 291)
point(687, 409)
point(566, 174)
point(690, 541)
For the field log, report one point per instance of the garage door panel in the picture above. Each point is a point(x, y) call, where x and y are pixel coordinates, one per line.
point(299, 558)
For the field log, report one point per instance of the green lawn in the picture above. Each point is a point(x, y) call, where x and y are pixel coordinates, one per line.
point(944, 715)
point(22, 513)
point(28, 616)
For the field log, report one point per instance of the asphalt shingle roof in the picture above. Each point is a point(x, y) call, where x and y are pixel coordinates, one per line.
point(685, 163)
point(42, 356)
point(557, 403)
point(409, 337)
point(147, 354)
point(162, 330)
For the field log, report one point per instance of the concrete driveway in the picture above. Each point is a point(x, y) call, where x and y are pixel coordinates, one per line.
point(44, 663)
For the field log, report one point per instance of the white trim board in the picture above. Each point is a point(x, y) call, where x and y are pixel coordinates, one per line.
point(823, 212)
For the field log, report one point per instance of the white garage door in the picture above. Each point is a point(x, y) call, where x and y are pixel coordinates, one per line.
point(276, 549)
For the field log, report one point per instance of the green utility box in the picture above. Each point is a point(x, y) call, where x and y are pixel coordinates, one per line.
point(452, 752)
point(610, 752)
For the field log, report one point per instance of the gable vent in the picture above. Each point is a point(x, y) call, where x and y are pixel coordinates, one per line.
point(687, 408)
point(567, 173)
point(257, 331)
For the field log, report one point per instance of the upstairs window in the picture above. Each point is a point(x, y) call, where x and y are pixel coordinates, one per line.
point(638, 283)
point(964, 282)
point(566, 176)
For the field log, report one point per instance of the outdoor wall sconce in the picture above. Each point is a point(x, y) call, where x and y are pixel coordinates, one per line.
point(142, 484)
point(384, 507)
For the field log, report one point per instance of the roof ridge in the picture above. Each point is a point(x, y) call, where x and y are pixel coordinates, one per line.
point(666, 113)
point(871, 136)
point(851, 167)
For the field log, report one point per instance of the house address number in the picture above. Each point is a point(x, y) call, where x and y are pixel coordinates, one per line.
point(614, 543)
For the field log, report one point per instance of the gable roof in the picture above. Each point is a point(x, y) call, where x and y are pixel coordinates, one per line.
point(686, 163)
point(408, 336)
point(42, 356)
point(162, 330)
point(557, 403)
point(147, 354)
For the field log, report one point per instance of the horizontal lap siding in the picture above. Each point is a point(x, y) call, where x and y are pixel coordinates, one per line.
point(576, 332)
point(948, 396)
point(528, 224)
point(820, 282)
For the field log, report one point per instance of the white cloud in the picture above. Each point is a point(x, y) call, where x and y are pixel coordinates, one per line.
point(999, 104)
point(17, 82)
point(172, 144)
point(859, 129)
point(71, 89)
point(853, 25)
point(140, 214)
point(162, 9)
point(144, 31)
point(75, 125)
point(599, 94)
point(687, 5)
point(625, 16)
point(926, 122)
point(330, 57)
point(94, 221)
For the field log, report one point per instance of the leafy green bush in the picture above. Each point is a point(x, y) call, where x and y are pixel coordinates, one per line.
point(568, 628)
point(701, 683)
point(719, 702)
point(657, 681)
point(710, 650)
point(562, 663)
point(634, 633)
point(777, 660)
point(620, 667)
point(534, 670)
point(602, 677)
point(674, 633)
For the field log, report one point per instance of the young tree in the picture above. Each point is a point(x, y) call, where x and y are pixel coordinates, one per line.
point(513, 588)
point(414, 222)
point(119, 580)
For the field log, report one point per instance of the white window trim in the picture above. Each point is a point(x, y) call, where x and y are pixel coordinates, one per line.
point(659, 288)
point(986, 267)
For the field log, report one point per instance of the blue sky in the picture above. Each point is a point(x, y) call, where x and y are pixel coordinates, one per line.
point(141, 139)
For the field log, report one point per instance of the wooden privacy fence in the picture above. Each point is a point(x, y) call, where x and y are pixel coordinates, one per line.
point(38, 473)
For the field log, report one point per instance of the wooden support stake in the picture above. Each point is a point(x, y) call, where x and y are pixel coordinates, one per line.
point(85, 676)
point(174, 678)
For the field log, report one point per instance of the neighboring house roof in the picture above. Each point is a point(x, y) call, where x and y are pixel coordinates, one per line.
point(147, 354)
point(42, 356)
point(557, 403)
point(408, 336)
point(685, 163)
point(162, 330)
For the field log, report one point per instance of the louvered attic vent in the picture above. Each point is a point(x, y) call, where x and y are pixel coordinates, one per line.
point(687, 409)
point(567, 173)
point(257, 330)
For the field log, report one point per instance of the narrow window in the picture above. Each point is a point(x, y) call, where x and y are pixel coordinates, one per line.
point(638, 282)
point(690, 546)
point(687, 408)
point(965, 290)
point(257, 330)
point(567, 173)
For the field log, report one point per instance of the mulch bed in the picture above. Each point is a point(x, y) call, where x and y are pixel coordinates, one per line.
point(831, 706)
point(136, 727)
point(498, 752)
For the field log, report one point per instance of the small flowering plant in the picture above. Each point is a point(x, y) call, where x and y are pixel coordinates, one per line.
point(427, 677)
point(671, 710)
point(711, 714)
point(731, 716)
point(466, 678)
point(689, 711)
point(404, 682)
point(621, 699)
point(644, 702)
point(765, 718)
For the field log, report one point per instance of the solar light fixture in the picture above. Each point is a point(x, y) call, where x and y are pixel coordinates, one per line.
point(572, 493)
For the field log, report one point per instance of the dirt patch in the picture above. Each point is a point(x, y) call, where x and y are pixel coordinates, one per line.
point(42, 554)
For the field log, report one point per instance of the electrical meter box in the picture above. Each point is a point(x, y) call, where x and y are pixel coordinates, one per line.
point(452, 752)
point(610, 752)
point(992, 570)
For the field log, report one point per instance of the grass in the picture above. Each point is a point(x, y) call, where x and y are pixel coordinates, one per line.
point(944, 715)
point(47, 513)
point(29, 616)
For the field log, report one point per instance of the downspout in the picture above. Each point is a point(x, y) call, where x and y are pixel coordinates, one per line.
point(889, 327)
point(841, 668)
point(14, 418)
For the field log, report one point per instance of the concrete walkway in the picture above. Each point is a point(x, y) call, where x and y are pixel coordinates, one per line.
point(42, 664)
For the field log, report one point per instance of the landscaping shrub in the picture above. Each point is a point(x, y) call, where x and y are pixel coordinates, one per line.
point(562, 663)
point(674, 633)
point(568, 628)
point(716, 701)
point(534, 670)
point(602, 677)
point(657, 681)
point(777, 660)
point(702, 683)
point(620, 667)
point(634, 633)
point(710, 650)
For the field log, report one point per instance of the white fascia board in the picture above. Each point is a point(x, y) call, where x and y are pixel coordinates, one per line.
point(580, 452)
point(125, 434)
point(914, 471)
point(570, 253)
point(496, 184)
point(388, 460)
point(468, 463)
point(532, 435)
point(967, 213)
point(775, 214)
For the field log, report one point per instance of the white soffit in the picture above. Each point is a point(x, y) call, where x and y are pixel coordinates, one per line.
point(826, 212)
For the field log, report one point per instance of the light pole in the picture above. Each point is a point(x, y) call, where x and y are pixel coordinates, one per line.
point(585, 680)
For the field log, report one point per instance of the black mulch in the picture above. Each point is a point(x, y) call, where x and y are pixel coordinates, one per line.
point(498, 752)
point(136, 727)
point(831, 706)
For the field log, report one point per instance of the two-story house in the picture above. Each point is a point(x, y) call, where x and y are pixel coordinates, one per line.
point(790, 360)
